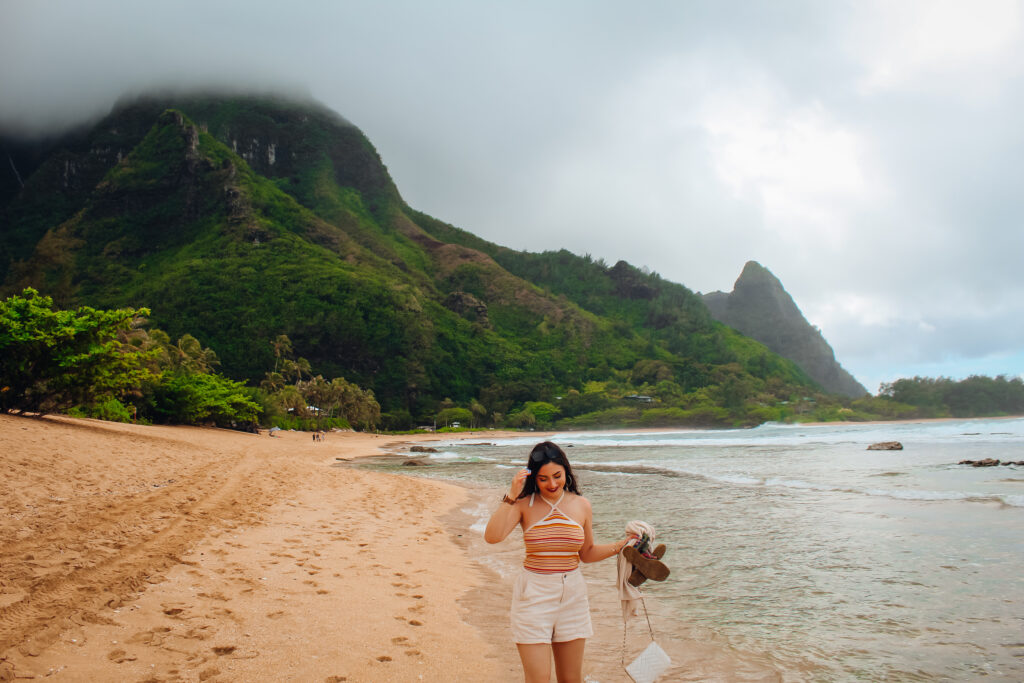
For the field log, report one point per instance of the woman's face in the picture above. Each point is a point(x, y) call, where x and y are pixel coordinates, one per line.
point(550, 479)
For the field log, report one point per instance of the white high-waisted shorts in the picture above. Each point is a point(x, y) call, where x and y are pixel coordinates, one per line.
point(550, 608)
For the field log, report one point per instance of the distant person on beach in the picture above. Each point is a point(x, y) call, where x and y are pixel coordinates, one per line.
point(550, 610)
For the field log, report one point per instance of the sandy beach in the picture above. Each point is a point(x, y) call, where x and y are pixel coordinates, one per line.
point(150, 553)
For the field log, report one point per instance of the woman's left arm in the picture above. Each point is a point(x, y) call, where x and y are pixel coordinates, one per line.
point(591, 552)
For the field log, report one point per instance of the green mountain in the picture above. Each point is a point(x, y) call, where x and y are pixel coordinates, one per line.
point(760, 307)
point(237, 219)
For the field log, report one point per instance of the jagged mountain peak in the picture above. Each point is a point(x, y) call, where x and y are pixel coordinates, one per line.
point(760, 307)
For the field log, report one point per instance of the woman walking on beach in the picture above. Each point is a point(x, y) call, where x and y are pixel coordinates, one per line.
point(550, 610)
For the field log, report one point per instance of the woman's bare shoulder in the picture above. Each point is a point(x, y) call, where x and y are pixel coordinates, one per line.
point(581, 501)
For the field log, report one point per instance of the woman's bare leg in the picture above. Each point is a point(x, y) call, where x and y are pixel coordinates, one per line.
point(569, 660)
point(536, 662)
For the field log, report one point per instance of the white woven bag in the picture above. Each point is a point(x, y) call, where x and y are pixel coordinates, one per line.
point(649, 664)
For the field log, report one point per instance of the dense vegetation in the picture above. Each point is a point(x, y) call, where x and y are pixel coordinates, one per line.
point(239, 223)
point(53, 360)
point(106, 364)
point(975, 396)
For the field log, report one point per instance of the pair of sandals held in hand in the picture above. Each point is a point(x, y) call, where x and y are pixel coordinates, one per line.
point(646, 565)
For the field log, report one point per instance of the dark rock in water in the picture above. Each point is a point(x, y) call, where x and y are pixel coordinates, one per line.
point(886, 446)
point(987, 462)
point(414, 463)
point(423, 449)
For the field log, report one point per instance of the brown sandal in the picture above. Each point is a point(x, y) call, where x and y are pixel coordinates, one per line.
point(652, 569)
point(637, 577)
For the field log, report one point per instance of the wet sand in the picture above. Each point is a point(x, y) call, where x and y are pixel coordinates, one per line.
point(142, 553)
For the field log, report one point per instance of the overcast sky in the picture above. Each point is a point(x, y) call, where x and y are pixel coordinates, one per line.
point(871, 155)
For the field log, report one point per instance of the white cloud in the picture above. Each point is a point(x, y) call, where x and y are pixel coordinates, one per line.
point(943, 44)
point(868, 153)
point(862, 309)
point(801, 165)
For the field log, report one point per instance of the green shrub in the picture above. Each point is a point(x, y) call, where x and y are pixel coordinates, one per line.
point(185, 398)
point(111, 410)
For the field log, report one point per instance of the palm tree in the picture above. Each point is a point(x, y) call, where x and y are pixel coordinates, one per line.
point(282, 346)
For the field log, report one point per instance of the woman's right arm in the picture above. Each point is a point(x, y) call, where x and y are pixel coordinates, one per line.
point(507, 516)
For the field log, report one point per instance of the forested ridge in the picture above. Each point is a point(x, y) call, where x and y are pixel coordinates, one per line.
point(242, 224)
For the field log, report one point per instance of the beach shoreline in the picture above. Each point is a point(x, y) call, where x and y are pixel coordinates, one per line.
point(160, 553)
point(697, 653)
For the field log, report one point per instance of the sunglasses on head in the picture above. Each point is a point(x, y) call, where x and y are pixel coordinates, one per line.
point(541, 455)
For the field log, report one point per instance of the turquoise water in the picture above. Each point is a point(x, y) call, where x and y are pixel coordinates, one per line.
point(818, 558)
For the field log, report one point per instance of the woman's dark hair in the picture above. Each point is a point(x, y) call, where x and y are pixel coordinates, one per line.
point(541, 455)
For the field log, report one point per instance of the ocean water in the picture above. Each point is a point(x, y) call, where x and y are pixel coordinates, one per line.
point(800, 549)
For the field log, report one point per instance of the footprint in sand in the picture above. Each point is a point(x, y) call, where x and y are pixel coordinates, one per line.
point(222, 650)
point(413, 653)
point(119, 656)
point(383, 658)
point(197, 633)
point(275, 615)
point(215, 596)
point(154, 637)
point(399, 639)
point(335, 679)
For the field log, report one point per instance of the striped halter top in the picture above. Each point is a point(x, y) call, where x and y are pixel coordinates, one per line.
point(553, 544)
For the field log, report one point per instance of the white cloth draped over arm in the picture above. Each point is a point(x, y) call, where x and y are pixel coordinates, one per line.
point(630, 595)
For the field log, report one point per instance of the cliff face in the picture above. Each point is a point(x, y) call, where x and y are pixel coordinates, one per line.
point(760, 307)
point(237, 219)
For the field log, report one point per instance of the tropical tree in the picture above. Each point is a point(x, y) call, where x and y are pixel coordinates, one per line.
point(479, 412)
point(282, 346)
point(449, 415)
point(192, 357)
point(54, 359)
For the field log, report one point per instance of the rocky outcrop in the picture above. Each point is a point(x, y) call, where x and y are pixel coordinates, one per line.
point(760, 307)
point(630, 283)
point(991, 462)
point(886, 446)
point(467, 306)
